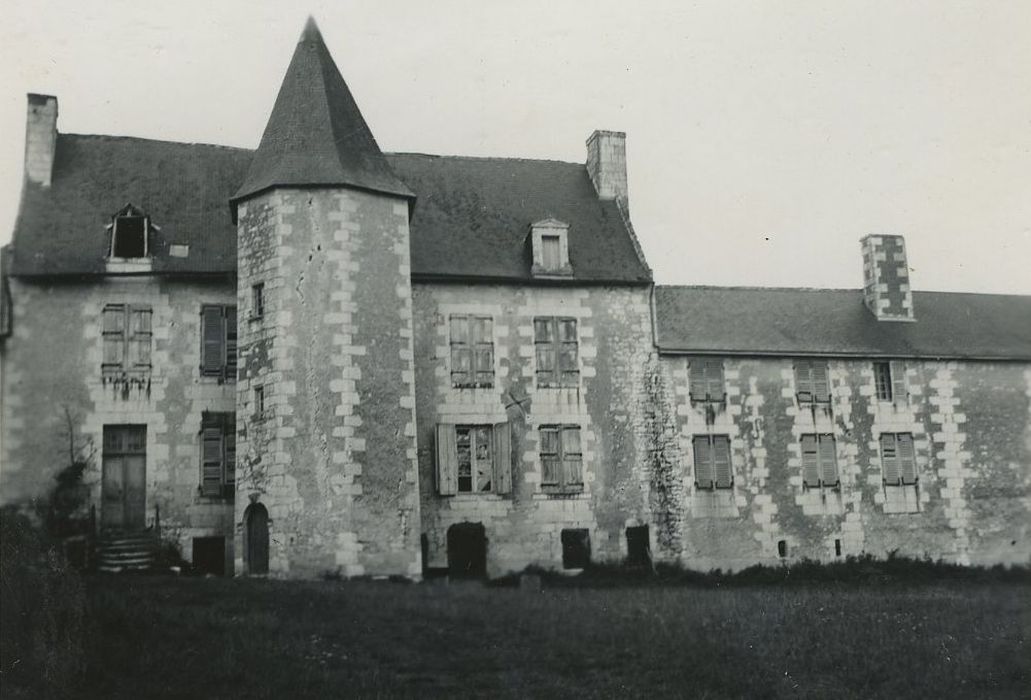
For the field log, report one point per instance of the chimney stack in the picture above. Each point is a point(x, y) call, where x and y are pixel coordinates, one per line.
point(606, 164)
point(886, 290)
point(40, 138)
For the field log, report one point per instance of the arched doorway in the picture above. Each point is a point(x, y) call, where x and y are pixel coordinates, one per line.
point(467, 550)
point(256, 547)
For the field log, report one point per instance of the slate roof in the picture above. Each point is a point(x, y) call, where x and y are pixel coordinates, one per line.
point(471, 219)
point(316, 135)
point(778, 321)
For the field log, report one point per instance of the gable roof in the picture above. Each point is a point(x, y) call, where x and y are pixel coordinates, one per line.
point(777, 321)
point(316, 136)
point(471, 222)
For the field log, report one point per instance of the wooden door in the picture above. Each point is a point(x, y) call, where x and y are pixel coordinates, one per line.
point(257, 539)
point(124, 477)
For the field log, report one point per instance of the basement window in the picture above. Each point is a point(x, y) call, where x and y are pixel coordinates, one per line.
point(129, 233)
point(576, 548)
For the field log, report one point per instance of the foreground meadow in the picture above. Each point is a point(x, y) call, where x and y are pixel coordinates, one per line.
point(161, 637)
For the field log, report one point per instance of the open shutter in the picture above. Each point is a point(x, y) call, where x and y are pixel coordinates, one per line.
point(447, 460)
point(572, 457)
point(698, 384)
point(721, 462)
point(907, 459)
point(828, 460)
point(889, 459)
point(503, 457)
point(810, 461)
point(821, 384)
point(212, 354)
point(230, 328)
point(229, 431)
point(899, 388)
point(212, 464)
point(704, 476)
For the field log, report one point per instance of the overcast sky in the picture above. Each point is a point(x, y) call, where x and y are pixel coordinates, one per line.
point(763, 138)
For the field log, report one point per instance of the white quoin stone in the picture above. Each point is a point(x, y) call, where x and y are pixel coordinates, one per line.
point(40, 138)
point(606, 164)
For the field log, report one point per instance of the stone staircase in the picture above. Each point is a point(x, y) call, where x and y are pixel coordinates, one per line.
point(119, 551)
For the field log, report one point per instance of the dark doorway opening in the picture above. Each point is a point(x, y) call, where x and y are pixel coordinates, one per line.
point(209, 555)
point(638, 548)
point(256, 547)
point(576, 549)
point(467, 550)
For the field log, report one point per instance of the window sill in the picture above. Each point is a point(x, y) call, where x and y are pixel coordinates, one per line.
point(558, 493)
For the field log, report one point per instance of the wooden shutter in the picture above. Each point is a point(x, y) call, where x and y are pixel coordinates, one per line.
point(714, 379)
point(699, 386)
point(139, 336)
point(503, 458)
point(229, 433)
point(828, 460)
point(889, 459)
point(572, 457)
point(212, 341)
point(721, 462)
point(810, 461)
point(906, 458)
point(550, 464)
point(230, 328)
point(447, 460)
point(114, 335)
point(568, 351)
point(899, 388)
point(821, 383)
point(212, 455)
point(704, 475)
point(804, 380)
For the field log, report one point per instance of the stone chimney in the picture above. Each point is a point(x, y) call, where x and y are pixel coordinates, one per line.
point(886, 290)
point(606, 164)
point(40, 138)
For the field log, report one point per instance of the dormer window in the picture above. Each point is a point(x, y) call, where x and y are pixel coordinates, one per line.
point(130, 230)
point(550, 242)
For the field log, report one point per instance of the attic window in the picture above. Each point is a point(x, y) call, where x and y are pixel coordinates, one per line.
point(550, 242)
point(129, 229)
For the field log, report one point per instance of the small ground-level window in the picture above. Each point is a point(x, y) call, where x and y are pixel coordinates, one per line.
point(209, 555)
point(576, 548)
point(782, 548)
point(638, 548)
point(837, 548)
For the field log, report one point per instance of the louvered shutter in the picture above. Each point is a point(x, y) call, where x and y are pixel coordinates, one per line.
point(704, 475)
point(229, 431)
point(828, 460)
point(714, 379)
point(889, 459)
point(821, 383)
point(899, 388)
point(230, 329)
point(212, 341)
point(721, 462)
point(907, 459)
point(804, 380)
point(699, 385)
point(447, 460)
point(503, 458)
point(212, 465)
point(810, 461)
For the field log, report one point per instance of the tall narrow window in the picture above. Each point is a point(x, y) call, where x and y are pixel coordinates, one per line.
point(811, 381)
point(555, 341)
point(898, 459)
point(472, 351)
point(819, 460)
point(561, 459)
point(551, 255)
point(218, 342)
point(129, 237)
point(218, 454)
point(706, 380)
point(258, 300)
point(712, 465)
point(259, 402)
point(882, 380)
point(127, 335)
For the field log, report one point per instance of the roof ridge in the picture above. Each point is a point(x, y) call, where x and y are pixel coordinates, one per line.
point(759, 289)
point(497, 158)
point(115, 137)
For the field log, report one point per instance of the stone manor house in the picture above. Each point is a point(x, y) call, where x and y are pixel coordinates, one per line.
point(318, 357)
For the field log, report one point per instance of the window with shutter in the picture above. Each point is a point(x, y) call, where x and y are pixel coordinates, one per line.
point(890, 459)
point(828, 461)
point(218, 342)
point(713, 465)
point(819, 460)
point(561, 458)
point(898, 459)
point(704, 472)
point(706, 380)
point(218, 454)
point(907, 459)
point(721, 462)
point(472, 351)
point(127, 340)
point(810, 461)
point(812, 383)
point(556, 345)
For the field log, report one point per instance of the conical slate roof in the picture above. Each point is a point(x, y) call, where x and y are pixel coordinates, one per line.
point(316, 136)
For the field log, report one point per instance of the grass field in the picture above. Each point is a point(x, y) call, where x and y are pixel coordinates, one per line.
point(166, 637)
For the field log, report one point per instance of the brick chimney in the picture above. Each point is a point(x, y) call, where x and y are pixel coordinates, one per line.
point(606, 164)
point(886, 290)
point(40, 138)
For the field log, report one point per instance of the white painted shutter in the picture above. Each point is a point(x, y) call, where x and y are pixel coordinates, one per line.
point(447, 460)
point(503, 458)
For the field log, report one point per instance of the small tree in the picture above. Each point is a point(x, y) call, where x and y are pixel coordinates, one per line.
point(67, 503)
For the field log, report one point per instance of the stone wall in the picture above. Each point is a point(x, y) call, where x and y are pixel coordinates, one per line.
point(615, 344)
point(333, 457)
point(53, 361)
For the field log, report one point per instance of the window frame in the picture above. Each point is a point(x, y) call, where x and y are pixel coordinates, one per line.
point(227, 342)
point(257, 301)
point(258, 396)
point(883, 381)
point(129, 214)
point(563, 455)
point(820, 464)
point(553, 343)
point(130, 334)
point(711, 467)
point(218, 427)
point(478, 339)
